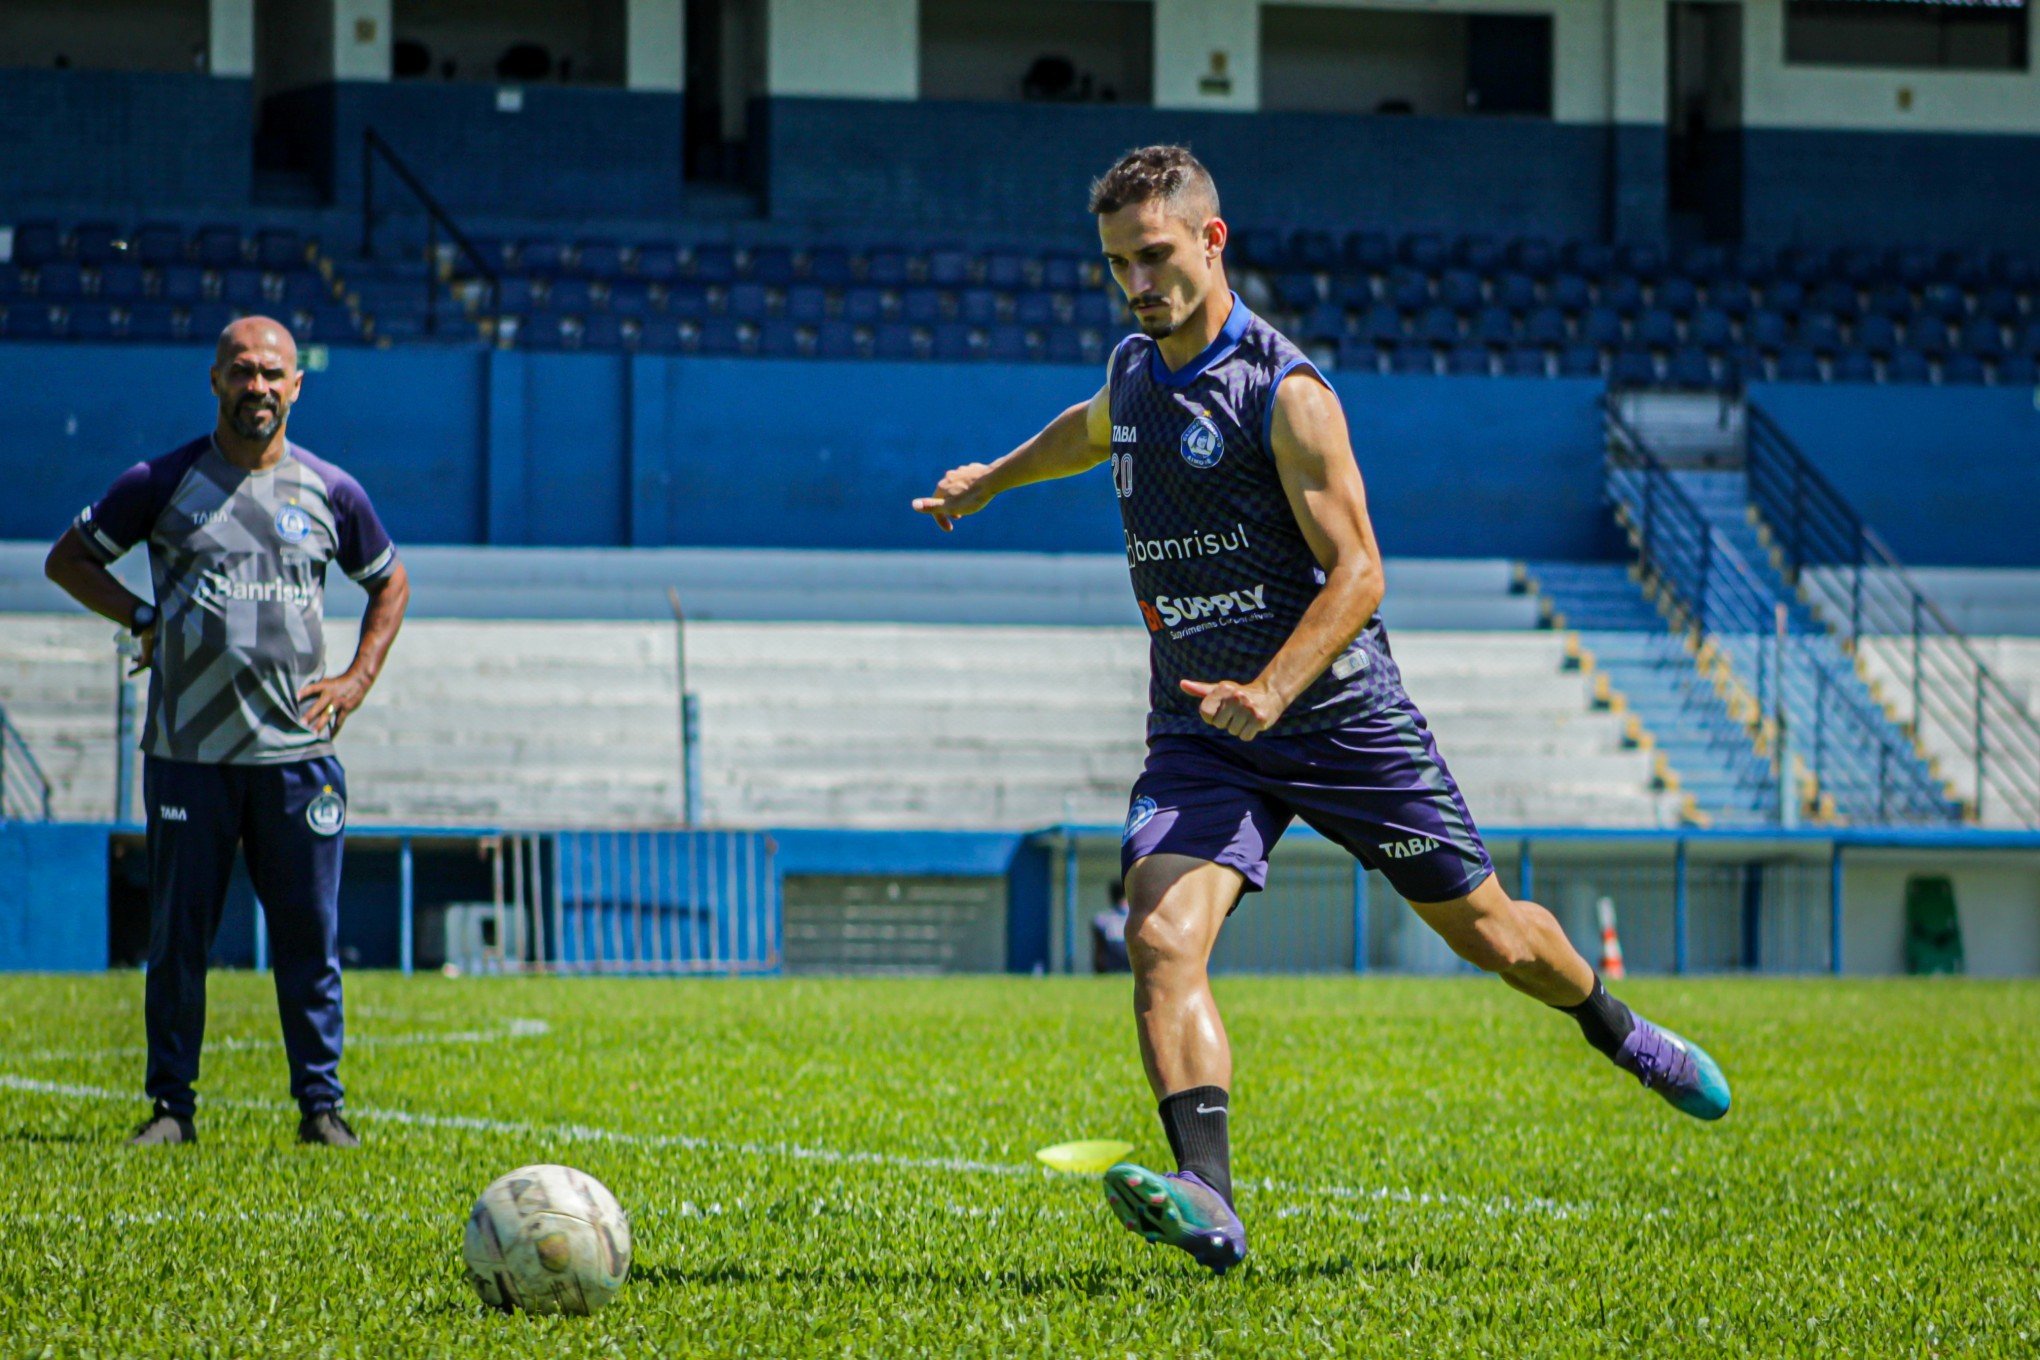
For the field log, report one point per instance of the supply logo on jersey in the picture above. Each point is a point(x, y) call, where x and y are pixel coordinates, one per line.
point(1139, 815)
point(326, 814)
point(1202, 445)
point(1171, 613)
point(292, 524)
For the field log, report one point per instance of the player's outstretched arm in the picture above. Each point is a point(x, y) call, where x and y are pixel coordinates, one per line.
point(1076, 441)
point(1314, 456)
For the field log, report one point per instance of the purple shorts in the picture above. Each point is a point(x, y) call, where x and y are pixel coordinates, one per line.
point(1376, 786)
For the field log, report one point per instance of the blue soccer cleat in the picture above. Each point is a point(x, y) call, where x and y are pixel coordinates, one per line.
point(1676, 1069)
point(1179, 1209)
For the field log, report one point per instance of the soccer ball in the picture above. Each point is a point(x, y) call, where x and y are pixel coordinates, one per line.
point(547, 1239)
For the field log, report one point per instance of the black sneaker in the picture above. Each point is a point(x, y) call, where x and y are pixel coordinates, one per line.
point(163, 1127)
point(327, 1128)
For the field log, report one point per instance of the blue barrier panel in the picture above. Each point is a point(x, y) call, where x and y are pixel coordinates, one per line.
point(53, 896)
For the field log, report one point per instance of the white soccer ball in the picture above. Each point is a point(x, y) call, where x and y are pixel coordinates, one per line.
point(547, 1239)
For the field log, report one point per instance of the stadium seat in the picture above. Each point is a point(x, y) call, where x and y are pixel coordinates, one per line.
point(1481, 254)
point(1426, 252)
point(719, 335)
point(1733, 297)
point(1517, 292)
point(1889, 300)
point(403, 324)
point(1064, 346)
point(1092, 309)
point(12, 285)
point(220, 247)
point(1855, 366)
point(770, 265)
point(1676, 294)
point(279, 249)
point(1704, 264)
point(950, 342)
point(333, 324)
point(779, 338)
point(1787, 297)
point(886, 269)
point(97, 243)
point(1369, 252)
point(1767, 331)
point(807, 304)
point(1413, 360)
point(830, 267)
point(1711, 330)
point(152, 321)
point(1035, 309)
point(1690, 368)
point(978, 307)
point(1806, 265)
point(1408, 290)
point(1929, 336)
point(1437, 326)
point(89, 321)
point(1943, 300)
point(1589, 259)
point(1261, 247)
point(1962, 369)
point(1359, 356)
point(156, 243)
point(205, 320)
point(1381, 324)
point(1005, 272)
point(1819, 332)
point(659, 334)
point(1876, 335)
point(1297, 291)
point(1354, 292)
point(59, 281)
point(1468, 361)
point(1570, 293)
point(1062, 272)
point(1836, 297)
point(1971, 268)
point(836, 340)
point(243, 288)
point(1545, 326)
point(1325, 322)
point(121, 281)
point(2000, 304)
point(514, 293)
point(1642, 259)
point(656, 263)
point(1313, 250)
point(1655, 328)
point(1525, 363)
point(893, 340)
point(2029, 337)
point(37, 243)
point(629, 297)
point(713, 264)
point(571, 295)
point(28, 319)
point(1632, 368)
point(1908, 366)
point(1534, 256)
point(598, 258)
point(1858, 267)
point(1751, 262)
point(1797, 364)
point(1911, 266)
point(601, 330)
point(1601, 327)
point(921, 306)
point(747, 301)
point(1460, 290)
point(303, 288)
point(688, 301)
point(1579, 361)
point(1007, 344)
point(1622, 292)
point(2016, 370)
point(1494, 327)
point(1982, 337)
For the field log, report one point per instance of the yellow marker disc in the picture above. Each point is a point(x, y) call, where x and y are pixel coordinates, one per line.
point(1088, 1158)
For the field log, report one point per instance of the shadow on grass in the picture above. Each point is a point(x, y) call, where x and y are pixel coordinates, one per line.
point(1094, 1280)
point(38, 1136)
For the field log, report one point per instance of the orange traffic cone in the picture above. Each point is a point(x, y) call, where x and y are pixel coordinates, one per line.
point(1611, 943)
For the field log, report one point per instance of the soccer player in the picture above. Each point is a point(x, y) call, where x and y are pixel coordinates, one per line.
point(238, 749)
point(1274, 695)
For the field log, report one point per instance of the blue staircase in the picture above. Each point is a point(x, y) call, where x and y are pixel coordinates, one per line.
point(1647, 670)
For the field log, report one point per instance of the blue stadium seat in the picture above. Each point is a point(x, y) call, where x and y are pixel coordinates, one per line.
point(2029, 337)
point(1589, 259)
point(1408, 290)
point(713, 264)
point(402, 325)
point(2016, 370)
point(1890, 300)
point(1732, 296)
point(303, 288)
point(1412, 360)
point(2000, 304)
point(1426, 251)
point(12, 284)
point(1676, 294)
point(59, 281)
point(1005, 272)
point(886, 269)
point(1944, 300)
point(950, 342)
point(1621, 292)
point(1369, 252)
point(1632, 368)
point(1296, 291)
point(1063, 272)
point(1545, 326)
point(630, 297)
point(1517, 292)
point(720, 335)
point(656, 262)
point(1820, 333)
point(978, 307)
point(807, 304)
point(1381, 324)
point(514, 293)
point(1261, 247)
point(1468, 361)
point(771, 266)
point(1035, 309)
point(121, 281)
point(1795, 364)
point(830, 267)
point(1655, 328)
point(1460, 290)
point(1962, 370)
point(779, 338)
point(601, 330)
point(1437, 326)
point(158, 243)
point(1690, 368)
point(1855, 366)
point(1313, 250)
point(659, 334)
point(28, 319)
point(1579, 361)
point(1804, 264)
point(153, 321)
point(1481, 253)
point(1092, 309)
point(1929, 336)
point(598, 258)
point(1354, 292)
point(1642, 259)
point(1534, 256)
point(864, 306)
point(1767, 331)
point(1711, 330)
point(1064, 346)
point(1494, 327)
point(1858, 267)
point(1876, 335)
point(90, 321)
point(1525, 363)
point(1911, 266)
point(570, 295)
point(1570, 293)
point(220, 247)
point(331, 324)
point(1007, 344)
point(37, 243)
point(1982, 337)
point(1785, 296)
point(1601, 326)
point(1835, 297)
point(836, 340)
point(1325, 322)
point(1751, 261)
point(1973, 268)
point(279, 248)
point(893, 340)
point(2017, 271)
point(746, 301)
point(1704, 264)
point(244, 288)
point(97, 243)
point(1358, 356)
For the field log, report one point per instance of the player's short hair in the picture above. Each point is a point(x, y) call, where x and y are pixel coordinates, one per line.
point(1151, 172)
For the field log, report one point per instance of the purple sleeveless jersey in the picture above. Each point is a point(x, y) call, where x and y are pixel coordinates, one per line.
point(1220, 569)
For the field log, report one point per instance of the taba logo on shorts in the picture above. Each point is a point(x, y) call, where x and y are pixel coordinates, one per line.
point(292, 524)
point(1202, 445)
point(1409, 849)
point(170, 812)
point(1203, 544)
point(326, 814)
point(1174, 611)
point(1139, 815)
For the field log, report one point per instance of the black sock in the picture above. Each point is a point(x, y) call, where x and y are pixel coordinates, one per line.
point(1195, 1121)
point(1605, 1021)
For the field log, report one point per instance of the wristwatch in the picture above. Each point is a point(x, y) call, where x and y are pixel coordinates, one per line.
point(144, 619)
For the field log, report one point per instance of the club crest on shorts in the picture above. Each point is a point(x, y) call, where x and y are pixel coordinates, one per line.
point(1139, 815)
point(1202, 445)
point(292, 524)
point(326, 814)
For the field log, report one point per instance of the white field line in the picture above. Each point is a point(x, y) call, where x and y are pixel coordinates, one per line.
point(510, 1029)
point(1302, 1198)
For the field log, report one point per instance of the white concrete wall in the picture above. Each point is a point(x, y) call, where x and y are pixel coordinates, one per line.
point(866, 50)
point(1997, 901)
point(1777, 95)
point(361, 39)
point(1187, 35)
point(230, 37)
point(655, 34)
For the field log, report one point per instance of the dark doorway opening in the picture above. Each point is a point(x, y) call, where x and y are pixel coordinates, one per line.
point(1703, 121)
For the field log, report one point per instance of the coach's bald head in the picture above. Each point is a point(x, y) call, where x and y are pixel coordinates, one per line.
point(255, 376)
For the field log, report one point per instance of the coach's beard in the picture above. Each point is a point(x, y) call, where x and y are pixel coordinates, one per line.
point(257, 418)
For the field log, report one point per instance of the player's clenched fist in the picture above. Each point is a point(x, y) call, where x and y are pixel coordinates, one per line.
point(1246, 711)
point(962, 491)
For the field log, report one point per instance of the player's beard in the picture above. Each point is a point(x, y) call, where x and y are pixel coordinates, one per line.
point(1156, 325)
point(258, 419)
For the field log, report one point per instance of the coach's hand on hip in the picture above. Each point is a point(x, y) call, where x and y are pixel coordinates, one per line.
point(332, 700)
point(1246, 710)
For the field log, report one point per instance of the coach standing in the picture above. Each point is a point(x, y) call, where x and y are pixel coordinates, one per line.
point(239, 742)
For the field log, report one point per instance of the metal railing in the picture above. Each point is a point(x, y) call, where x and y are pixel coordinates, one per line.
point(24, 788)
point(1922, 666)
point(638, 902)
point(1835, 752)
point(375, 146)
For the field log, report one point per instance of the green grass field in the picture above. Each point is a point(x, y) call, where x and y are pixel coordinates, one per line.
point(843, 1167)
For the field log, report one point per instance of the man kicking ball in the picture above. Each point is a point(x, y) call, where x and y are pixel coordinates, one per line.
point(1274, 695)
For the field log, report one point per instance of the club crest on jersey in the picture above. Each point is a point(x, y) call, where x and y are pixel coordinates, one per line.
point(1139, 815)
point(1202, 445)
point(326, 814)
point(292, 524)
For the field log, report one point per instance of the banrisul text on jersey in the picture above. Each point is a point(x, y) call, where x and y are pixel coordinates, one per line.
point(1220, 569)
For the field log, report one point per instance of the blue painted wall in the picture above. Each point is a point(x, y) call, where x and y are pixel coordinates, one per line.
point(569, 151)
point(1891, 188)
point(1024, 169)
point(125, 143)
point(52, 896)
point(474, 446)
point(1949, 476)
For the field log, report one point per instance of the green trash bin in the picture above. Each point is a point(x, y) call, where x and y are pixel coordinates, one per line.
point(1933, 932)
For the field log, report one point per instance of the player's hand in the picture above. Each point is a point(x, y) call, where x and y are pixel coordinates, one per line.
point(962, 491)
point(331, 701)
point(145, 650)
point(1246, 710)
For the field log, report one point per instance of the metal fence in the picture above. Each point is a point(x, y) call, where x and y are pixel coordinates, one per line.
point(24, 789)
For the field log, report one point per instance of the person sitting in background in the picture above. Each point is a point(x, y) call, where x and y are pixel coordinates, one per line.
point(1108, 934)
